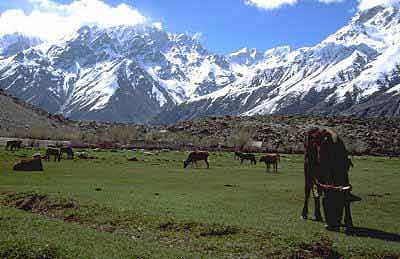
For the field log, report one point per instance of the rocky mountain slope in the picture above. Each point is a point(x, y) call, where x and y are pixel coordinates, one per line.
point(17, 117)
point(286, 133)
point(136, 74)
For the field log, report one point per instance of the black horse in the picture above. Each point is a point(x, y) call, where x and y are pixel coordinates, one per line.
point(13, 145)
point(246, 156)
point(56, 152)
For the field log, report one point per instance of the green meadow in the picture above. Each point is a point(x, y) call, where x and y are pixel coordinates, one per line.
point(110, 207)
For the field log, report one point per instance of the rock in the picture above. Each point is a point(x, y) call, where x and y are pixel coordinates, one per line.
point(34, 165)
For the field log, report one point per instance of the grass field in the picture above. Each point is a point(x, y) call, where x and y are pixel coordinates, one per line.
point(112, 208)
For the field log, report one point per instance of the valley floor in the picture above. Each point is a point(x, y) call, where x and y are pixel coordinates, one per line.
point(153, 208)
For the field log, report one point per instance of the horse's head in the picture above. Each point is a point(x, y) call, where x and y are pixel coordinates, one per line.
point(185, 163)
point(327, 153)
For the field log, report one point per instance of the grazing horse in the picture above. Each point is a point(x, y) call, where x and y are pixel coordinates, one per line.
point(196, 156)
point(326, 169)
point(68, 151)
point(236, 155)
point(13, 145)
point(271, 159)
point(246, 156)
point(56, 152)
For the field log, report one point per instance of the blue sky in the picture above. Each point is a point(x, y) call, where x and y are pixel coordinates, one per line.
point(227, 25)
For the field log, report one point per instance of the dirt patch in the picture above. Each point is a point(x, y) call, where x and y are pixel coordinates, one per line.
point(375, 195)
point(200, 230)
point(321, 249)
point(37, 202)
point(231, 185)
point(179, 227)
point(220, 231)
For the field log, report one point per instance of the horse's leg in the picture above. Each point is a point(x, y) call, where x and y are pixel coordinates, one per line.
point(208, 165)
point(348, 221)
point(241, 161)
point(317, 207)
point(307, 190)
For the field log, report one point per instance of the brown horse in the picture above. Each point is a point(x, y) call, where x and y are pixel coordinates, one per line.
point(326, 169)
point(196, 156)
point(13, 145)
point(271, 159)
point(56, 152)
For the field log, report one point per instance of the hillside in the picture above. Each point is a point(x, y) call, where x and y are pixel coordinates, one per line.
point(18, 117)
point(286, 133)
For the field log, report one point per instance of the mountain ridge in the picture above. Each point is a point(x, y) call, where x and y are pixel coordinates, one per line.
point(143, 74)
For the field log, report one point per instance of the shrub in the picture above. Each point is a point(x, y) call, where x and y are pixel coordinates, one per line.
point(242, 137)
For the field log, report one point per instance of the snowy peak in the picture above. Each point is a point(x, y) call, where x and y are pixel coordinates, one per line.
point(245, 56)
point(11, 44)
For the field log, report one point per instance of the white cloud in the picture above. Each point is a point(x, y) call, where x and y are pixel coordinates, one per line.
point(366, 4)
point(50, 20)
point(274, 4)
point(270, 4)
point(330, 1)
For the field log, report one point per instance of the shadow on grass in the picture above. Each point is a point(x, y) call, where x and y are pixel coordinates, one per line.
point(374, 233)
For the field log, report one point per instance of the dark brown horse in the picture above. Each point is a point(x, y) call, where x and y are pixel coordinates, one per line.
point(326, 169)
point(56, 152)
point(13, 145)
point(271, 159)
point(196, 156)
point(68, 151)
point(246, 156)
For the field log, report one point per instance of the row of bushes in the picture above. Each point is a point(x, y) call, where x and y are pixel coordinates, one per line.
point(240, 138)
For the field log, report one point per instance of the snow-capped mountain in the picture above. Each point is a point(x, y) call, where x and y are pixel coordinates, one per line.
point(354, 71)
point(126, 74)
point(132, 74)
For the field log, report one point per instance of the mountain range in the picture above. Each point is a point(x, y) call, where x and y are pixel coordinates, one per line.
point(143, 74)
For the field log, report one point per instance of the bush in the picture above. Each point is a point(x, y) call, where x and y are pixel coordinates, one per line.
point(242, 137)
point(122, 134)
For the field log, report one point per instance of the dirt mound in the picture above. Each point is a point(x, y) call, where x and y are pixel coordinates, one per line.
point(37, 202)
point(321, 249)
